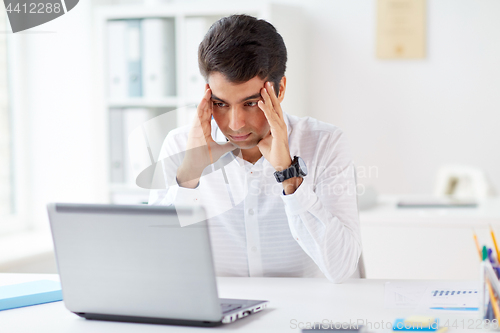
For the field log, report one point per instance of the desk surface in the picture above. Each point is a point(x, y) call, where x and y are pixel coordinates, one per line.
point(292, 300)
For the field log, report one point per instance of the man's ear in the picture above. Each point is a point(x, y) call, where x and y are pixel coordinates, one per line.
point(281, 94)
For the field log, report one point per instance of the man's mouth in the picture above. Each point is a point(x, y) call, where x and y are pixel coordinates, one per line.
point(240, 137)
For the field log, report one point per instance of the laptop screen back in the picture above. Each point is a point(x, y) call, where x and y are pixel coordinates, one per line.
point(135, 261)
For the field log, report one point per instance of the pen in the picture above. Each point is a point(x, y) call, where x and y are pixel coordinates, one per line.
point(482, 257)
point(495, 242)
point(493, 299)
point(493, 262)
point(477, 244)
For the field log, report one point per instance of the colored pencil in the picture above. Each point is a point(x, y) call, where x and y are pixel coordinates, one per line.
point(495, 243)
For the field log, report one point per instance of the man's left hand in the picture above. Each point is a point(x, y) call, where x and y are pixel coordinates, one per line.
point(274, 146)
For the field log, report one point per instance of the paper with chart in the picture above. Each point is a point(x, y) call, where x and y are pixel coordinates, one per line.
point(457, 296)
point(400, 295)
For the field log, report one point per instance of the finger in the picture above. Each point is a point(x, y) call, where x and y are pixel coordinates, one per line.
point(205, 108)
point(274, 99)
point(204, 115)
point(267, 107)
point(204, 99)
point(266, 139)
point(205, 102)
point(210, 152)
point(270, 121)
point(265, 143)
point(210, 104)
point(268, 97)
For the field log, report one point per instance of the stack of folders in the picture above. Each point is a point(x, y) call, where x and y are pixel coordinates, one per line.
point(195, 29)
point(489, 283)
point(125, 131)
point(137, 135)
point(141, 58)
point(141, 62)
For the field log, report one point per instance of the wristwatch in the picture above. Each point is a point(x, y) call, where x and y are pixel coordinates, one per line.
point(297, 169)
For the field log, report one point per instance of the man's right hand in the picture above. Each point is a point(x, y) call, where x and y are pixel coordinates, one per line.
point(201, 150)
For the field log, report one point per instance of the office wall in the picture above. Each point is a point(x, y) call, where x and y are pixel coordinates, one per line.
point(57, 99)
point(405, 118)
point(409, 117)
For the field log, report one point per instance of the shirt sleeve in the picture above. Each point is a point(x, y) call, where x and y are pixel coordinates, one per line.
point(323, 216)
point(170, 158)
point(214, 198)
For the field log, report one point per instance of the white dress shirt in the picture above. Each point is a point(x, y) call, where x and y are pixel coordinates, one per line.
point(255, 229)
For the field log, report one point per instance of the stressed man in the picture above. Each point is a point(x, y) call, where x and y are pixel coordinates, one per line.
point(279, 190)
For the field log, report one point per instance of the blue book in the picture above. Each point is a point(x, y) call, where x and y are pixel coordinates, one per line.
point(400, 325)
point(29, 293)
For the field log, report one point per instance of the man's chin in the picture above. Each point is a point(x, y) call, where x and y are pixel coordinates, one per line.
point(244, 144)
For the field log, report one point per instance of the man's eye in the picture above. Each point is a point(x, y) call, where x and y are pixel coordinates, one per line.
point(252, 103)
point(219, 105)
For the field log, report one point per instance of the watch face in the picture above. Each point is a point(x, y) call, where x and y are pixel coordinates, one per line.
point(302, 166)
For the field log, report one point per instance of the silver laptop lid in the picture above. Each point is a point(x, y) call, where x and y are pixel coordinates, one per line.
point(135, 261)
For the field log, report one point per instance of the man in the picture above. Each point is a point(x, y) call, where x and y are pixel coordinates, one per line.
point(279, 190)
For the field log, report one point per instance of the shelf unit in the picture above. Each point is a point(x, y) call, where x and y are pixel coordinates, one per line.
point(288, 20)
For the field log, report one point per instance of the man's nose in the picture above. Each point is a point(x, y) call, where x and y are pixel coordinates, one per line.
point(237, 120)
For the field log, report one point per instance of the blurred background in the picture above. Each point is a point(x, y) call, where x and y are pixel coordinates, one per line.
point(418, 126)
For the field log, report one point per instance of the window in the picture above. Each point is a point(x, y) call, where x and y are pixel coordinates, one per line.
point(5, 134)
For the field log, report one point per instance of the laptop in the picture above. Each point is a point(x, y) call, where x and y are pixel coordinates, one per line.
point(137, 264)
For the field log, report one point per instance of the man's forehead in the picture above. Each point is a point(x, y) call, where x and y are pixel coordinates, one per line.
point(217, 77)
point(247, 98)
point(223, 89)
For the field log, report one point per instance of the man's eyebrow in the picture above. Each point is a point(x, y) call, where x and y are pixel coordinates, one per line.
point(257, 95)
point(217, 98)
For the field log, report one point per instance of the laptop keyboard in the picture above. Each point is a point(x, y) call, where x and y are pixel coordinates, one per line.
point(226, 307)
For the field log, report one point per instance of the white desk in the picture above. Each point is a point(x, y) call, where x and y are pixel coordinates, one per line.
point(303, 300)
point(404, 243)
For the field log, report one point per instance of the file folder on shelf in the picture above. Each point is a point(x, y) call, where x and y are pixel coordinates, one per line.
point(195, 27)
point(117, 146)
point(158, 57)
point(117, 59)
point(136, 158)
point(134, 58)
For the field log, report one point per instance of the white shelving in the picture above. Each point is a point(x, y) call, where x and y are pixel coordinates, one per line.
point(188, 82)
point(167, 102)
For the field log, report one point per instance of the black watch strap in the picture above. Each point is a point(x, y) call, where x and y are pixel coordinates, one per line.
point(290, 172)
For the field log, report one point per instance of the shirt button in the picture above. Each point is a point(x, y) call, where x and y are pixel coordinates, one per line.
point(254, 248)
point(250, 211)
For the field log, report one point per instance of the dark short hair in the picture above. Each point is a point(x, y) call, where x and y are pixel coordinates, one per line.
point(241, 47)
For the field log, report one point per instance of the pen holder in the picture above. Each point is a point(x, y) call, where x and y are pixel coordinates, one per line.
point(489, 293)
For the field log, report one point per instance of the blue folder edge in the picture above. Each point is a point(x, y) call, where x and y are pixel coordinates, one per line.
point(399, 325)
point(29, 293)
